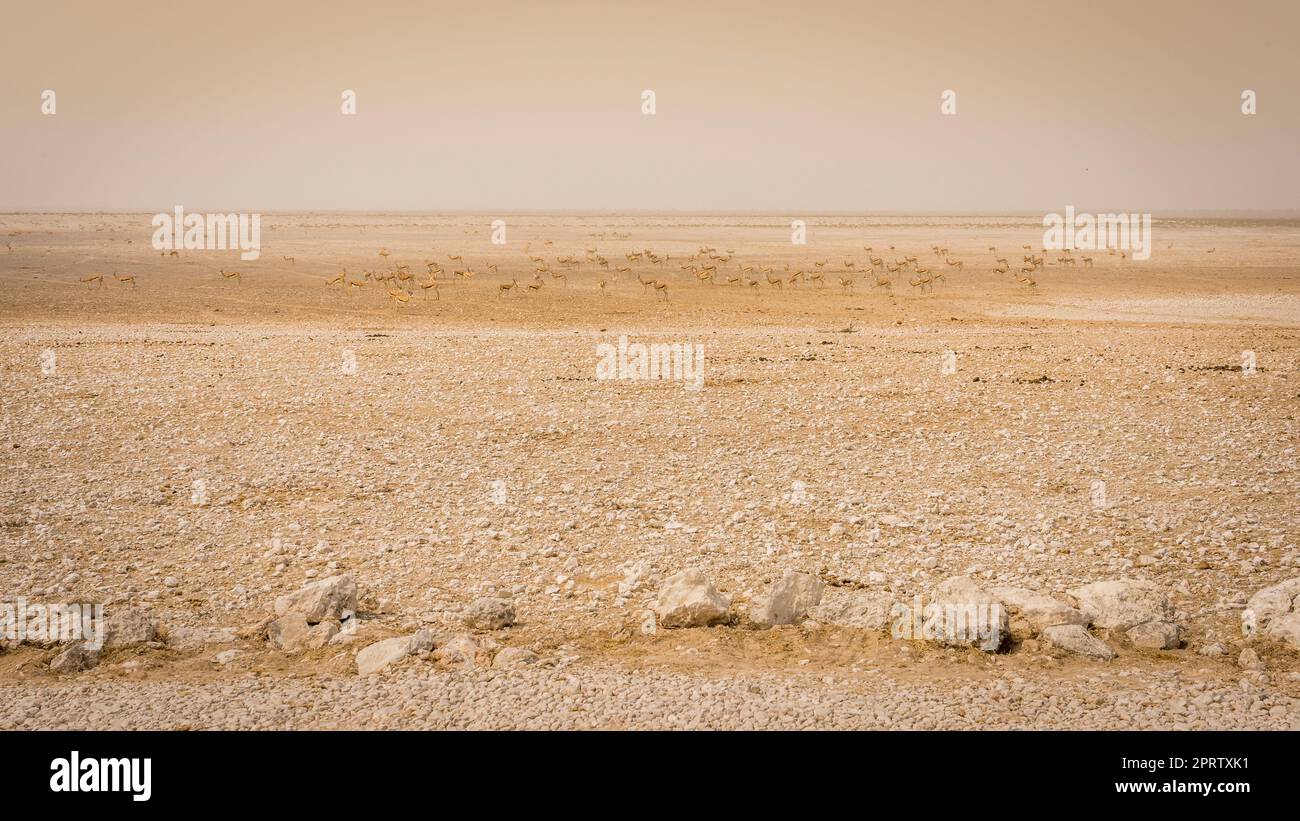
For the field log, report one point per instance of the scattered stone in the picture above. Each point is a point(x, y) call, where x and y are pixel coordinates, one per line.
point(634, 577)
point(79, 656)
point(422, 641)
point(689, 600)
point(860, 609)
point(1286, 629)
point(320, 634)
point(289, 633)
point(488, 613)
point(379, 655)
point(1250, 660)
point(351, 630)
point(1119, 604)
point(1074, 638)
point(191, 638)
point(510, 658)
point(1156, 635)
point(462, 650)
point(332, 598)
point(129, 627)
point(787, 601)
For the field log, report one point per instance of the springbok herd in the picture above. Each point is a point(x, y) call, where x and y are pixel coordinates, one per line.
point(656, 273)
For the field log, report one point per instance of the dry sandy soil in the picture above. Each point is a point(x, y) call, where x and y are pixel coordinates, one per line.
point(826, 439)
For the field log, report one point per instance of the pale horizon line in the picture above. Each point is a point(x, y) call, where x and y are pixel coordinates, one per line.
point(1240, 213)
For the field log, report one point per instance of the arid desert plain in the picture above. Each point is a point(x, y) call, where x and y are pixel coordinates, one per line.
point(494, 537)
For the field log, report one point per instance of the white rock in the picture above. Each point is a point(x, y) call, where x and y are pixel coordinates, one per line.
point(635, 576)
point(129, 627)
point(332, 598)
point(1076, 639)
point(515, 657)
point(860, 609)
point(289, 633)
point(1274, 612)
point(190, 638)
point(1039, 610)
point(422, 641)
point(320, 634)
point(787, 601)
point(79, 656)
point(488, 613)
point(689, 600)
point(462, 650)
point(1250, 660)
point(962, 614)
point(379, 655)
point(1156, 635)
point(1286, 629)
point(1119, 604)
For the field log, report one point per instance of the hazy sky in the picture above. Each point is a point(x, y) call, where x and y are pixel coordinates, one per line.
point(772, 106)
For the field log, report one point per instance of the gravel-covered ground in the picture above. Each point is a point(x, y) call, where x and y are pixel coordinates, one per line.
point(195, 447)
